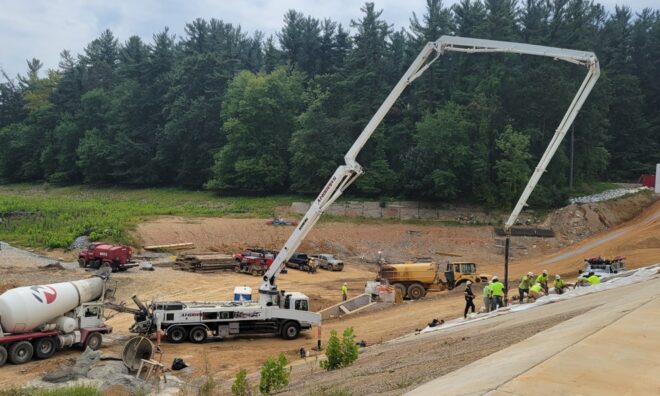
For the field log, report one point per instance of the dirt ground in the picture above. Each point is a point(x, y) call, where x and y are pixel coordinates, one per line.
point(638, 239)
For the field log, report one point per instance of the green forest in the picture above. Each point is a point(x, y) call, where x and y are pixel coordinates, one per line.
point(241, 113)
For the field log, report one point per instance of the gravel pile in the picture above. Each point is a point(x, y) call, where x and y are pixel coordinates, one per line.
point(606, 195)
point(80, 243)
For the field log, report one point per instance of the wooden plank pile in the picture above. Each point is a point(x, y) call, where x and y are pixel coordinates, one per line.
point(204, 262)
point(172, 246)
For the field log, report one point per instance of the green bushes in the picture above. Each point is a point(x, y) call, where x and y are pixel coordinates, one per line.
point(79, 390)
point(274, 375)
point(241, 387)
point(340, 353)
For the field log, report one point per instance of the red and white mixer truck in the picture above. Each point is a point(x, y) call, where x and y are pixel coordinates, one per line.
point(38, 320)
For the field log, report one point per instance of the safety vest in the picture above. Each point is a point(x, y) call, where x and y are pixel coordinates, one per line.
point(593, 280)
point(542, 279)
point(524, 283)
point(536, 288)
point(344, 290)
point(559, 283)
point(487, 290)
point(497, 289)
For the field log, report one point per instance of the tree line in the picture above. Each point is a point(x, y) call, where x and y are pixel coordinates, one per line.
point(238, 112)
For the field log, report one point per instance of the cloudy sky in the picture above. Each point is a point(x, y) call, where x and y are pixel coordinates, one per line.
point(42, 28)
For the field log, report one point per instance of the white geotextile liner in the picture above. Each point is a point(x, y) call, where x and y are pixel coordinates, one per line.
point(621, 279)
point(607, 195)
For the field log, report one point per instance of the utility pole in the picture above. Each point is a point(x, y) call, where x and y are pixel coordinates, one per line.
point(506, 269)
point(570, 180)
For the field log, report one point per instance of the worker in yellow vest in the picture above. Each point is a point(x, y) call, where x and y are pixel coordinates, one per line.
point(496, 293)
point(523, 286)
point(559, 284)
point(543, 280)
point(593, 279)
point(536, 291)
point(344, 292)
point(487, 300)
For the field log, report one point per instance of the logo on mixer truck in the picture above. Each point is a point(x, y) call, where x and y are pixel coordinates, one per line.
point(44, 293)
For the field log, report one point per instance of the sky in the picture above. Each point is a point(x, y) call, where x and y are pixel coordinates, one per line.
point(43, 28)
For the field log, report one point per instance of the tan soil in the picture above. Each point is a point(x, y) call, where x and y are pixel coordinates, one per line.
point(639, 240)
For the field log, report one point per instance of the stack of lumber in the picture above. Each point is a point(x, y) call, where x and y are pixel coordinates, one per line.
point(171, 246)
point(204, 262)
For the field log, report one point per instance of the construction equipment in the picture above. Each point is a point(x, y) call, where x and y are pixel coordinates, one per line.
point(581, 58)
point(38, 320)
point(415, 279)
point(281, 222)
point(604, 266)
point(117, 257)
point(255, 261)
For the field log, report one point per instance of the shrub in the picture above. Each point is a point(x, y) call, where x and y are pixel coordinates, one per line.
point(274, 375)
point(340, 353)
point(241, 387)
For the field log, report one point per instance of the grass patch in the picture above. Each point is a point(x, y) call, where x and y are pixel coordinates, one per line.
point(80, 390)
point(43, 216)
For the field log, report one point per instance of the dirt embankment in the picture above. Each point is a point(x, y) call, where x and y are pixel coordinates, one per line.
point(576, 222)
point(398, 242)
point(360, 242)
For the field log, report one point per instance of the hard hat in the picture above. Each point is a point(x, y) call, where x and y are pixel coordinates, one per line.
point(545, 272)
point(530, 273)
point(345, 284)
point(469, 283)
point(557, 276)
point(495, 277)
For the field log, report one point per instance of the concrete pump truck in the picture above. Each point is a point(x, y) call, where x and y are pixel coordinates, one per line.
point(287, 313)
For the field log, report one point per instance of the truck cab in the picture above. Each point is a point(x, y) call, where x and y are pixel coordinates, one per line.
point(461, 272)
point(296, 301)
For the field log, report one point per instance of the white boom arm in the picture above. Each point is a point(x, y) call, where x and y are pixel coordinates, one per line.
point(347, 173)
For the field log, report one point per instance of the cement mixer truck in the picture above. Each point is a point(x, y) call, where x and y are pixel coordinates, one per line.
point(35, 321)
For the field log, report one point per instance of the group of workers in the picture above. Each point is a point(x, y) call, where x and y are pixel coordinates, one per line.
point(531, 285)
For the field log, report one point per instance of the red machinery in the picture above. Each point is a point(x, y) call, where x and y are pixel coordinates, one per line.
point(117, 257)
point(255, 261)
point(647, 180)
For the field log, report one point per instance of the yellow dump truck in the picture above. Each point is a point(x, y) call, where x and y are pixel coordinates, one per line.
point(414, 279)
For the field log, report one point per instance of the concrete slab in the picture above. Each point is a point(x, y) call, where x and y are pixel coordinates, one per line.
point(601, 342)
point(620, 359)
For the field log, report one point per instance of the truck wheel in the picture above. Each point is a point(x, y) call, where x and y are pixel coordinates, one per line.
point(197, 334)
point(330, 267)
point(20, 352)
point(290, 330)
point(255, 272)
point(401, 288)
point(82, 263)
point(237, 268)
point(416, 291)
point(176, 334)
point(94, 341)
point(3, 356)
point(44, 347)
point(96, 264)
